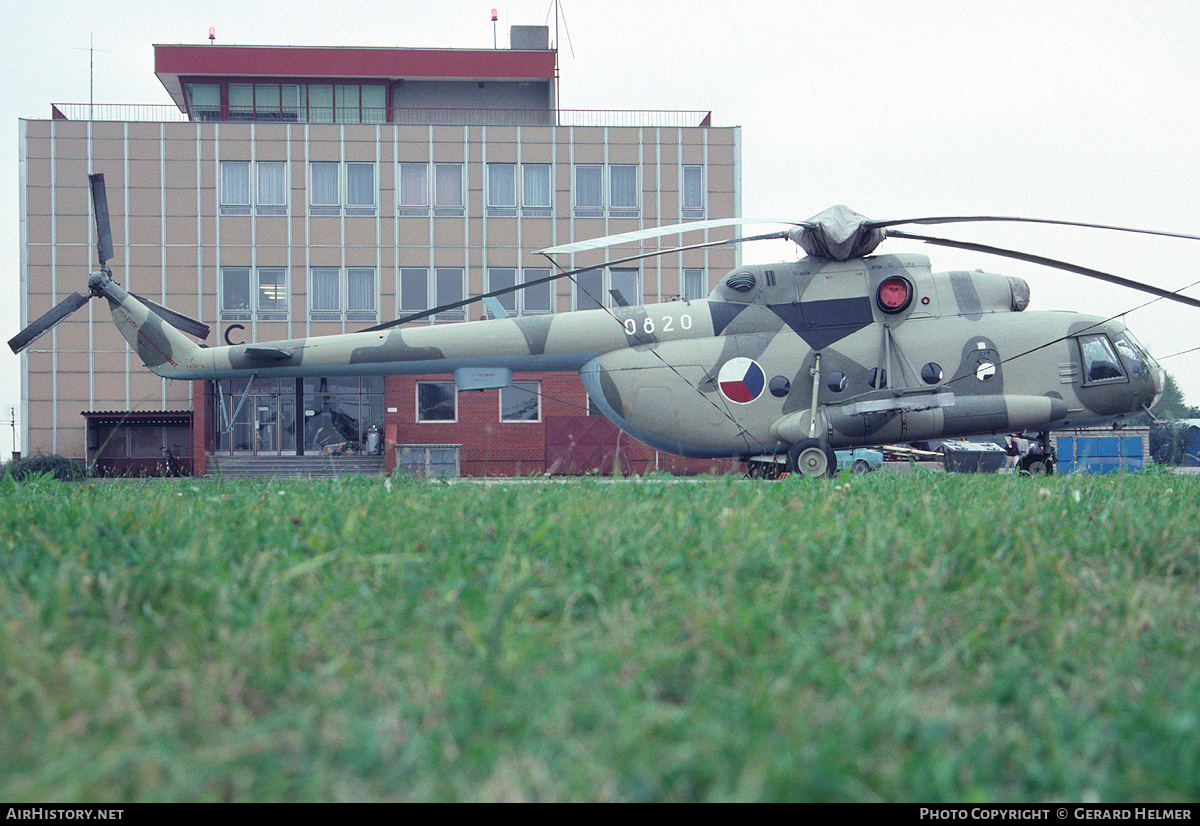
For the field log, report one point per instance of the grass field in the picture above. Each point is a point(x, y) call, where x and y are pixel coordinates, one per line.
point(916, 637)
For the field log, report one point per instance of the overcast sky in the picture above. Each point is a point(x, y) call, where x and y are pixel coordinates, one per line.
point(1083, 111)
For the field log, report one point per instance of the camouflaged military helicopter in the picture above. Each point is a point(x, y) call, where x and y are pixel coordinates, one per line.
point(780, 365)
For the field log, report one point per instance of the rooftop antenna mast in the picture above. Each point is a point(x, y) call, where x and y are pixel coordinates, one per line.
point(495, 41)
point(557, 11)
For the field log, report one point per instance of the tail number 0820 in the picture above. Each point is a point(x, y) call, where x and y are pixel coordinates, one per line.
point(647, 326)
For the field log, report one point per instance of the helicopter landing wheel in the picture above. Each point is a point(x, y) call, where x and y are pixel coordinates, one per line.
point(809, 458)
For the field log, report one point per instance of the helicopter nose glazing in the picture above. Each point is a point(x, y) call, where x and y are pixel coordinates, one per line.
point(1159, 383)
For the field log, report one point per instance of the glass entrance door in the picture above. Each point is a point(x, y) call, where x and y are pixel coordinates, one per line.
point(274, 424)
point(265, 424)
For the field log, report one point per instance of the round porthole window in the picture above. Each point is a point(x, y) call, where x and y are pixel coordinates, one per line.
point(931, 373)
point(779, 386)
point(836, 381)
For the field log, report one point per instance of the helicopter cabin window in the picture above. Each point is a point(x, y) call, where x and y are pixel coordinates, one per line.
point(521, 402)
point(437, 401)
point(1100, 362)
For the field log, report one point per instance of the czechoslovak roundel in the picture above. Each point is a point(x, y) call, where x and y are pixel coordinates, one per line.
point(741, 380)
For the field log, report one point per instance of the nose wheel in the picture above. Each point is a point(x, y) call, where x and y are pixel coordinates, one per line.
point(810, 458)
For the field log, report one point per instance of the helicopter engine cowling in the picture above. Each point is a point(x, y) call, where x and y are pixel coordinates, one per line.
point(981, 292)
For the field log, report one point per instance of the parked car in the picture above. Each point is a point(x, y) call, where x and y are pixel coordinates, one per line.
point(859, 460)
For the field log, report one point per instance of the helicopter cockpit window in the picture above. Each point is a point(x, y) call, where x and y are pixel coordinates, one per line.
point(1100, 362)
point(1135, 358)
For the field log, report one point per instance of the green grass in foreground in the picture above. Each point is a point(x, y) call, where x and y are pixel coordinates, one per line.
point(920, 637)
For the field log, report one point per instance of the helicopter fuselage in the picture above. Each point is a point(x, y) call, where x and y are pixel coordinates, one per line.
point(867, 351)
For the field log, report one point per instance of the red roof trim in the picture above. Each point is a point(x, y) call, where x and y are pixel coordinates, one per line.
point(276, 61)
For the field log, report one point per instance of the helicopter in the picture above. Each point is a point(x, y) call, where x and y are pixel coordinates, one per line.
point(779, 366)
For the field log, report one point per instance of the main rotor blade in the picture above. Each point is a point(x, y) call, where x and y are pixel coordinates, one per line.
point(60, 311)
point(658, 232)
point(104, 245)
point(966, 219)
point(566, 274)
point(177, 320)
point(1050, 262)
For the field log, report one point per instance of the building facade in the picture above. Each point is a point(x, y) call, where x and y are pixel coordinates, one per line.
point(292, 192)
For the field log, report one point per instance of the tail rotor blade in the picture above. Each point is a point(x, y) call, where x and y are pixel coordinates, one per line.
point(104, 244)
point(60, 311)
point(177, 320)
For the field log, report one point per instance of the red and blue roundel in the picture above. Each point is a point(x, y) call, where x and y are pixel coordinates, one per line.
point(741, 380)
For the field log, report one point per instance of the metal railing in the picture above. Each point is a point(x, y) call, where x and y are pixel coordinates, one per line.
point(167, 113)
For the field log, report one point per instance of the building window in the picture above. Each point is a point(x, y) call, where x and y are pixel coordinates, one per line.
point(360, 189)
point(414, 289)
point(340, 412)
point(521, 402)
point(235, 187)
point(361, 291)
point(264, 102)
point(501, 278)
point(449, 287)
point(616, 192)
point(623, 191)
point(693, 284)
point(272, 188)
point(235, 294)
point(437, 401)
point(326, 194)
point(448, 198)
point(594, 288)
point(692, 197)
point(418, 292)
point(589, 191)
point(531, 300)
point(535, 190)
point(204, 101)
point(288, 102)
point(324, 295)
point(333, 297)
point(414, 189)
point(272, 294)
point(266, 302)
point(502, 189)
